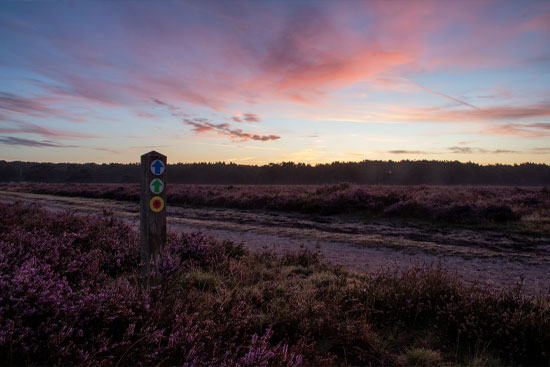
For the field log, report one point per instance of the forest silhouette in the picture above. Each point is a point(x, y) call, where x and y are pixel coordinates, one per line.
point(404, 172)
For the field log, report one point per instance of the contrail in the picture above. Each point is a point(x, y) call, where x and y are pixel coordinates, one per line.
point(443, 95)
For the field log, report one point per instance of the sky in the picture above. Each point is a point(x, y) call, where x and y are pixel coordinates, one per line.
point(254, 82)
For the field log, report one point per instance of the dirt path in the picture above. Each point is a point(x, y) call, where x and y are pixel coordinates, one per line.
point(493, 258)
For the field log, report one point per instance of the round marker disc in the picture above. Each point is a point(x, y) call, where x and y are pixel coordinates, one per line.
point(157, 167)
point(156, 186)
point(156, 204)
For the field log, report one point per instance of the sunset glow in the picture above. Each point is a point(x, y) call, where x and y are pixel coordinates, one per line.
point(259, 82)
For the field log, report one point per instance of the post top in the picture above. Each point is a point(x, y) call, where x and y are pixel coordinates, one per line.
point(154, 153)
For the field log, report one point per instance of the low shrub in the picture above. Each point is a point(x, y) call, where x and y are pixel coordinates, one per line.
point(70, 295)
point(445, 204)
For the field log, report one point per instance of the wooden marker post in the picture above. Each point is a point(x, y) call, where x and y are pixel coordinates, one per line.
point(152, 209)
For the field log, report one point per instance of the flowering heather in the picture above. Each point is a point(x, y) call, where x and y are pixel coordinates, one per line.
point(69, 295)
point(470, 205)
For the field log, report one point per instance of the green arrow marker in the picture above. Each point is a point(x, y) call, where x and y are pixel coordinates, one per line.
point(156, 186)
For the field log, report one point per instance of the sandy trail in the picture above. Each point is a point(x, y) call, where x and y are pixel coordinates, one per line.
point(494, 259)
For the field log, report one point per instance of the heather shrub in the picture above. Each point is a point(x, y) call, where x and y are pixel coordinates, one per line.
point(70, 295)
point(503, 213)
point(406, 209)
point(445, 204)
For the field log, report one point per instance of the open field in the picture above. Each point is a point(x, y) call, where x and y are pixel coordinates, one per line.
point(69, 294)
point(295, 286)
point(465, 205)
point(496, 254)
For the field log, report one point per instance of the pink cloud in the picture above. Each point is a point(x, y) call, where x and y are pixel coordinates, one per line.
point(485, 114)
point(301, 62)
point(254, 54)
point(312, 56)
point(12, 104)
point(248, 117)
point(251, 117)
point(520, 130)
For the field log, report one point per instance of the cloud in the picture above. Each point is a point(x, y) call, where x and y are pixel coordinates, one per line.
point(461, 150)
point(32, 106)
point(456, 100)
point(541, 125)
point(30, 128)
point(216, 57)
point(101, 149)
point(456, 150)
point(251, 117)
point(149, 146)
point(168, 105)
point(536, 130)
point(202, 125)
point(248, 117)
point(9, 140)
point(145, 114)
point(406, 152)
point(496, 93)
point(14, 103)
point(491, 114)
point(467, 150)
point(312, 55)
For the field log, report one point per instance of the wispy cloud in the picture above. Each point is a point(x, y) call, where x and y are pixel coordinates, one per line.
point(149, 146)
point(399, 151)
point(468, 150)
point(251, 117)
point(456, 100)
point(285, 65)
point(30, 128)
point(493, 114)
point(10, 140)
point(202, 125)
point(109, 150)
point(536, 130)
point(248, 117)
point(496, 93)
point(456, 150)
point(168, 105)
point(12, 104)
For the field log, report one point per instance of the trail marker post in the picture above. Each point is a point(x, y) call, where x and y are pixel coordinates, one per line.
point(152, 209)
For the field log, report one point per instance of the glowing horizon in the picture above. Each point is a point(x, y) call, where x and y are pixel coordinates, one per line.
point(261, 82)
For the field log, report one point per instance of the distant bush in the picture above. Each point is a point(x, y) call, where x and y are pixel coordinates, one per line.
point(70, 295)
point(453, 205)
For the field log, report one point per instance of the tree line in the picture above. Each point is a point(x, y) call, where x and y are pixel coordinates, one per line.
point(404, 172)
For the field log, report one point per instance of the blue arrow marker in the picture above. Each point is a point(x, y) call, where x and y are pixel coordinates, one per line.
point(157, 165)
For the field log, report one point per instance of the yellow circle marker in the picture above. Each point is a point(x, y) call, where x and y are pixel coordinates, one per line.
point(156, 204)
